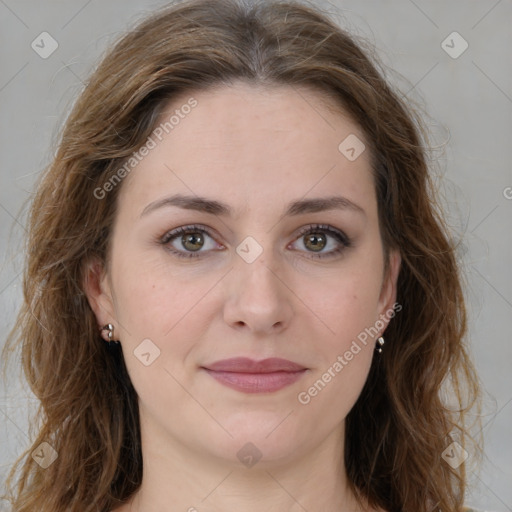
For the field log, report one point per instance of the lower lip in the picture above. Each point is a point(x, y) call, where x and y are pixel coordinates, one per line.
point(256, 382)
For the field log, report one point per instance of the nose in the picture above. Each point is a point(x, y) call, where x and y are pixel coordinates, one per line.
point(259, 298)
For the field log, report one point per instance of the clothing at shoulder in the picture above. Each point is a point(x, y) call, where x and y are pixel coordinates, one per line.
point(466, 509)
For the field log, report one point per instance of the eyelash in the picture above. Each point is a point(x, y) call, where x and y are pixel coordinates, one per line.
point(315, 228)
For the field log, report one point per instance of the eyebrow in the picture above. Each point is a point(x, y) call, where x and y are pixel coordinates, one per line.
point(213, 207)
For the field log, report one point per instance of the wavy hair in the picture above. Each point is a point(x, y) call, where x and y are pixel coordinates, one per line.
point(401, 423)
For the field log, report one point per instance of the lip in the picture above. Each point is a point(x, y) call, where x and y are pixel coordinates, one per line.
point(246, 365)
point(250, 376)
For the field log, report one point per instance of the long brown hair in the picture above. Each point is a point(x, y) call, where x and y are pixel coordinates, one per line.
point(401, 424)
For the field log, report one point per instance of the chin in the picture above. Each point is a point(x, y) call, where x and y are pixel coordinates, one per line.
point(259, 438)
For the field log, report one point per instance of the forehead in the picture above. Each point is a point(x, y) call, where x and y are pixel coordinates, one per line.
point(244, 143)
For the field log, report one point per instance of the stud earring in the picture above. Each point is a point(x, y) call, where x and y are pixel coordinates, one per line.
point(110, 333)
point(380, 343)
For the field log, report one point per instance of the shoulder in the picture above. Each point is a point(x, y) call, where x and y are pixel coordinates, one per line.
point(468, 509)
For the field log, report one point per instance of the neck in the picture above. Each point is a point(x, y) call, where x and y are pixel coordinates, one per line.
point(194, 482)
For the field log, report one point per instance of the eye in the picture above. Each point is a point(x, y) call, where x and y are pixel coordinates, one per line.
point(187, 241)
point(316, 238)
point(190, 238)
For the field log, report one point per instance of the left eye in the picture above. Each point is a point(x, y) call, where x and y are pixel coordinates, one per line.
point(316, 238)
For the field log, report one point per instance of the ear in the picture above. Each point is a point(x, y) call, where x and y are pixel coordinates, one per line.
point(388, 292)
point(97, 288)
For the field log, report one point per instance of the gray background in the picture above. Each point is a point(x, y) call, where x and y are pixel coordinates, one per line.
point(469, 102)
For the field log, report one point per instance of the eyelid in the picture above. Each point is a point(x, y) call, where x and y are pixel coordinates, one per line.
point(311, 228)
point(186, 229)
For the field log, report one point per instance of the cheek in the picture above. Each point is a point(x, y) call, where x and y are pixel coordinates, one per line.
point(344, 303)
point(157, 336)
point(344, 340)
point(345, 349)
point(153, 295)
point(331, 392)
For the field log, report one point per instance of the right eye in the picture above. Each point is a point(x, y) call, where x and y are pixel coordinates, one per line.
point(190, 239)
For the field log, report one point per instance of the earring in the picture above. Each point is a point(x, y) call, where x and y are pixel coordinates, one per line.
point(380, 343)
point(110, 333)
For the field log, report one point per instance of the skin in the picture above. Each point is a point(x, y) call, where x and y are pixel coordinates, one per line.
point(256, 149)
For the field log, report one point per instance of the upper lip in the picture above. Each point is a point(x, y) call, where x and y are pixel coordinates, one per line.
point(246, 365)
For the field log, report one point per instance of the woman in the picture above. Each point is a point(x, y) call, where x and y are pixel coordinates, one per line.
point(241, 208)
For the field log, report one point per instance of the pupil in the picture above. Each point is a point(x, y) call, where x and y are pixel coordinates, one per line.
point(193, 239)
point(314, 239)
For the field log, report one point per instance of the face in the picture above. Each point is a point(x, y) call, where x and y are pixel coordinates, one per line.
point(270, 270)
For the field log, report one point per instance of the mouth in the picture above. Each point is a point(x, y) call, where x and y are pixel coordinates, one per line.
point(250, 376)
